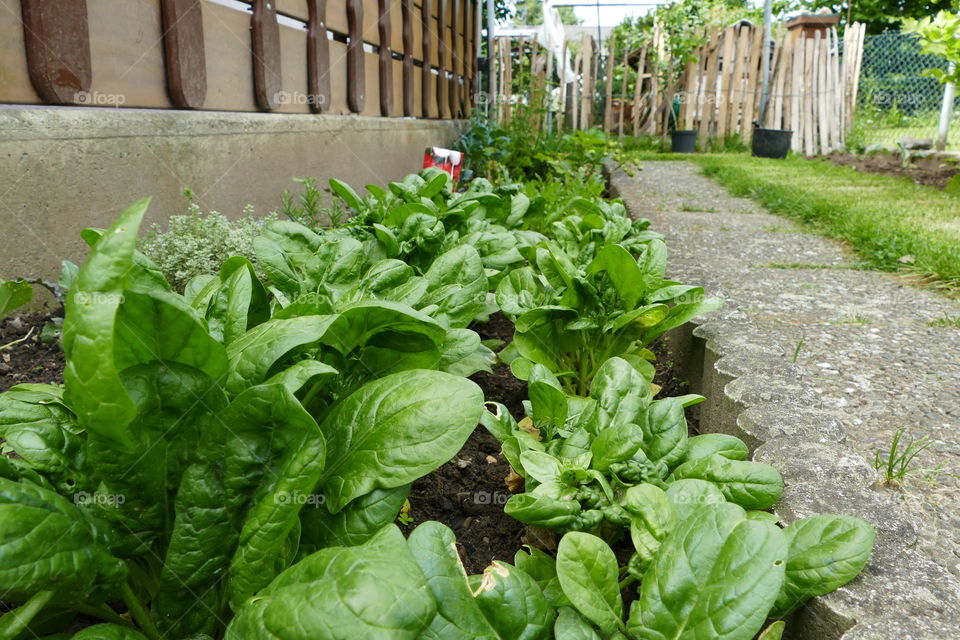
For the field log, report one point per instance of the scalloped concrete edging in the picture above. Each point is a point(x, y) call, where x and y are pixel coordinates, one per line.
point(755, 393)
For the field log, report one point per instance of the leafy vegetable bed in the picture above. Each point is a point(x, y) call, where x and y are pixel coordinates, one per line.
point(231, 462)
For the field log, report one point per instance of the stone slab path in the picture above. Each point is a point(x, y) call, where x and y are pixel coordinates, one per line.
point(863, 339)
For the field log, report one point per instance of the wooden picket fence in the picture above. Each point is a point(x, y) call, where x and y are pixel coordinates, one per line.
point(812, 92)
point(381, 58)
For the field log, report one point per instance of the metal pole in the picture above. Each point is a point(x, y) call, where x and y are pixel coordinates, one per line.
point(946, 112)
point(491, 77)
point(478, 49)
point(765, 61)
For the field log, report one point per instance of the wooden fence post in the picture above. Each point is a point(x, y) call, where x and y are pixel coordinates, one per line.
point(586, 108)
point(266, 55)
point(385, 58)
point(56, 36)
point(356, 80)
point(408, 86)
point(622, 105)
point(638, 91)
point(183, 49)
point(426, 75)
point(608, 93)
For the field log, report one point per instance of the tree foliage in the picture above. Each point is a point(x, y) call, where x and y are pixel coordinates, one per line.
point(880, 15)
point(939, 36)
point(531, 12)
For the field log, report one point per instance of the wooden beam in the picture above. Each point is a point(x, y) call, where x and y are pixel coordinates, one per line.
point(318, 57)
point(267, 74)
point(356, 79)
point(57, 41)
point(183, 50)
point(385, 58)
point(427, 81)
point(408, 94)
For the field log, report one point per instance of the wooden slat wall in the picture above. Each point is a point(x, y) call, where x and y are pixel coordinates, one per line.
point(812, 89)
point(129, 67)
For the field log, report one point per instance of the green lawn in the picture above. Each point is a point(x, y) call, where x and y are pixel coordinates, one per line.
point(886, 220)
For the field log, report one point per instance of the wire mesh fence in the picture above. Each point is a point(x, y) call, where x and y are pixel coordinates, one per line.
point(896, 100)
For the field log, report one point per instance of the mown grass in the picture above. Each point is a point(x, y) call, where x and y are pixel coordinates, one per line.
point(892, 223)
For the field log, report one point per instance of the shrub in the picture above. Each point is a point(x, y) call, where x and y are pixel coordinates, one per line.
point(197, 243)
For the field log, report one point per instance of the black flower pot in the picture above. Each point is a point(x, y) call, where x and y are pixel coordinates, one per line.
point(684, 141)
point(771, 143)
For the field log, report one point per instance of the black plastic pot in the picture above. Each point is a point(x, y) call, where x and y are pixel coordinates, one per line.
point(683, 141)
point(771, 143)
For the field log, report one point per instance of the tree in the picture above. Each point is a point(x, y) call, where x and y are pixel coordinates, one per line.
point(531, 12)
point(939, 36)
point(880, 15)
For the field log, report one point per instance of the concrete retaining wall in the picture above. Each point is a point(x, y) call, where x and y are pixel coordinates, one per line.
point(64, 169)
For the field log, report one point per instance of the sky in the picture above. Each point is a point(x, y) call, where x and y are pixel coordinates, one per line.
point(610, 16)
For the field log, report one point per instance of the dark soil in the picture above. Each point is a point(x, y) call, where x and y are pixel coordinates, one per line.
point(29, 360)
point(668, 377)
point(889, 164)
point(467, 494)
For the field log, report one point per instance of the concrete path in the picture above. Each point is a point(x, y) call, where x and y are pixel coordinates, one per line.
point(863, 340)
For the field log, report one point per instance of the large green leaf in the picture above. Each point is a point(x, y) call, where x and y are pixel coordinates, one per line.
point(355, 523)
point(652, 518)
point(394, 430)
point(513, 603)
point(42, 433)
point(752, 485)
point(624, 273)
point(520, 291)
point(47, 543)
point(653, 264)
point(615, 444)
point(570, 625)
point(254, 353)
point(542, 511)
point(715, 578)
point(343, 593)
point(826, 552)
point(434, 547)
point(159, 326)
point(716, 443)
point(203, 538)
point(274, 516)
point(543, 568)
point(133, 490)
point(665, 431)
point(457, 285)
point(14, 294)
point(620, 393)
point(94, 388)
point(588, 573)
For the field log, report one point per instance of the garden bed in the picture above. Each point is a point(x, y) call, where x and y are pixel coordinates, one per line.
point(467, 493)
point(890, 164)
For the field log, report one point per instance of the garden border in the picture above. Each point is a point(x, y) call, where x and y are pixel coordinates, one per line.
point(754, 393)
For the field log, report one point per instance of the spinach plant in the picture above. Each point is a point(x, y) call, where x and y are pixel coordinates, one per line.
point(192, 457)
point(618, 466)
point(13, 295)
point(572, 318)
point(581, 455)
